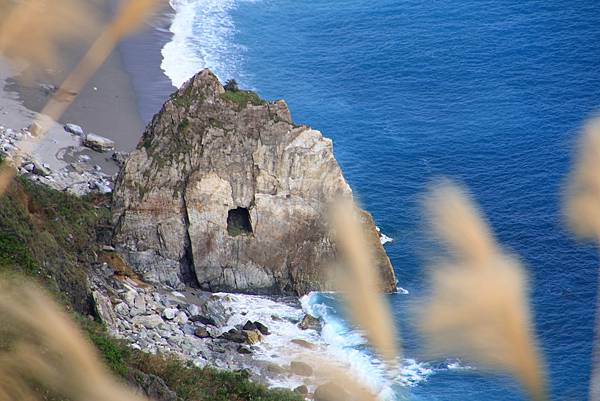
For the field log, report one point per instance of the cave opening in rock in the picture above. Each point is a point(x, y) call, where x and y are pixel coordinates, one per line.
point(238, 222)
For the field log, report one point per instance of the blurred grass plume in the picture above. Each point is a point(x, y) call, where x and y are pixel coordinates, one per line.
point(478, 307)
point(51, 18)
point(360, 283)
point(43, 348)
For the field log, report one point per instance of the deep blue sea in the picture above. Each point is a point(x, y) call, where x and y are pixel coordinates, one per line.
point(489, 93)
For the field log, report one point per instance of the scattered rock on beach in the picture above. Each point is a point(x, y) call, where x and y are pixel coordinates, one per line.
point(330, 392)
point(119, 158)
point(252, 336)
point(303, 343)
point(310, 322)
point(48, 89)
point(234, 335)
point(35, 128)
point(149, 322)
point(40, 169)
point(98, 143)
point(264, 330)
point(170, 313)
point(209, 321)
point(301, 368)
point(244, 350)
point(201, 332)
point(301, 390)
point(74, 129)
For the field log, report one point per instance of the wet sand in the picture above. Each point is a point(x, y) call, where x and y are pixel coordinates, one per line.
point(106, 106)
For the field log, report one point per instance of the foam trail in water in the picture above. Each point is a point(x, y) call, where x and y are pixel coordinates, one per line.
point(384, 239)
point(203, 37)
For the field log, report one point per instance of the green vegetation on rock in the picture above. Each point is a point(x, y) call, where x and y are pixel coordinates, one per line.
point(189, 382)
point(51, 237)
point(243, 98)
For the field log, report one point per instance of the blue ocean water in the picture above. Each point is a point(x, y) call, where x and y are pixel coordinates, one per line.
point(489, 93)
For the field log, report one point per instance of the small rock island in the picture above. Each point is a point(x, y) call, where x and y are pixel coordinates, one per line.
point(226, 193)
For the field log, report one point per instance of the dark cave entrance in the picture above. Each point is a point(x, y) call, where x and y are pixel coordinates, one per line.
point(238, 222)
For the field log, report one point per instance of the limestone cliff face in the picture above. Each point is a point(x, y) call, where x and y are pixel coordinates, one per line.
point(226, 190)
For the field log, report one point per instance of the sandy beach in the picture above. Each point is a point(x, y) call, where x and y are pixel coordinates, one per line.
point(116, 103)
point(106, 106)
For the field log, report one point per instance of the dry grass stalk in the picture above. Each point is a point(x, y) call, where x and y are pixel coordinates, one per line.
point(478, 308)
point(128, 19)
point(352, 389)
point(582, 206)
point(49, 350)
point(34, 30)
point(360, 283)
point(582, 210)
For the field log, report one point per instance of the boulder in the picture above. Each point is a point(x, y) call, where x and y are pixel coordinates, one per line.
point(302, 389)
point(242, 349)
point(274, 368)
point(234, 335)
point(104, 309)
point(149, 321)
point(310, 322)
point(170, 313)
point(181, 318)
point(40, 169)
point(201, 332)
point(209, 321)
point(301, 368)
point(232, 190)
point(74, 129)
point(252, 336)
point(151, 386)
point(303, 343)
point(119, 158)
point(330, 392)
point(193, 310)
point(264, 330)
point(98, 143)
point(249, 326)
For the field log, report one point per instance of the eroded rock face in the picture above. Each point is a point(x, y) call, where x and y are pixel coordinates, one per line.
point(226, 190)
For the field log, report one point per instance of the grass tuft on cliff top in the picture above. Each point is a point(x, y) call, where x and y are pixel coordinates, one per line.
point(242, 97)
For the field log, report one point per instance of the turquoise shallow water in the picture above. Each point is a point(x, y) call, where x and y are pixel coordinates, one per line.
point(490, 93)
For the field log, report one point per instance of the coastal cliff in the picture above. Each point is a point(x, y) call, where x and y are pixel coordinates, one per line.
point(226, 192)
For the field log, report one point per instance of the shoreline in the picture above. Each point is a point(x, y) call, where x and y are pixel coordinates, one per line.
point(107, 105)
point(117, 102)
point(141, 55)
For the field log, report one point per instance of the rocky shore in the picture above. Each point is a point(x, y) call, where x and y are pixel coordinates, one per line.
point(210, 329)
point(71, 168)
point(223, 193)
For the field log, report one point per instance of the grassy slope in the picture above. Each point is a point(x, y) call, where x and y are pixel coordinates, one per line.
point(51, 237)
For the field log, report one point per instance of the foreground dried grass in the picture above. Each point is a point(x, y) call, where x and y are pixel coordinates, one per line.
point(43, 350)
point(360, 283)
point(478, 309)
point(35, 31)
point(53, 19)
point(582, 210)
point(582, 201)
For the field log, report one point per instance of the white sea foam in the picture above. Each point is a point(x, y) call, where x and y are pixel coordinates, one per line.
point(383, 238)
point(203, 37)
point(337, 342)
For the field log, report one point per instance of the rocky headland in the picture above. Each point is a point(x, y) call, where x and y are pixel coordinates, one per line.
point(226, 193)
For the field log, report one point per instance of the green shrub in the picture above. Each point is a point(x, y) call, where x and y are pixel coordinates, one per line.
point(243, 98)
